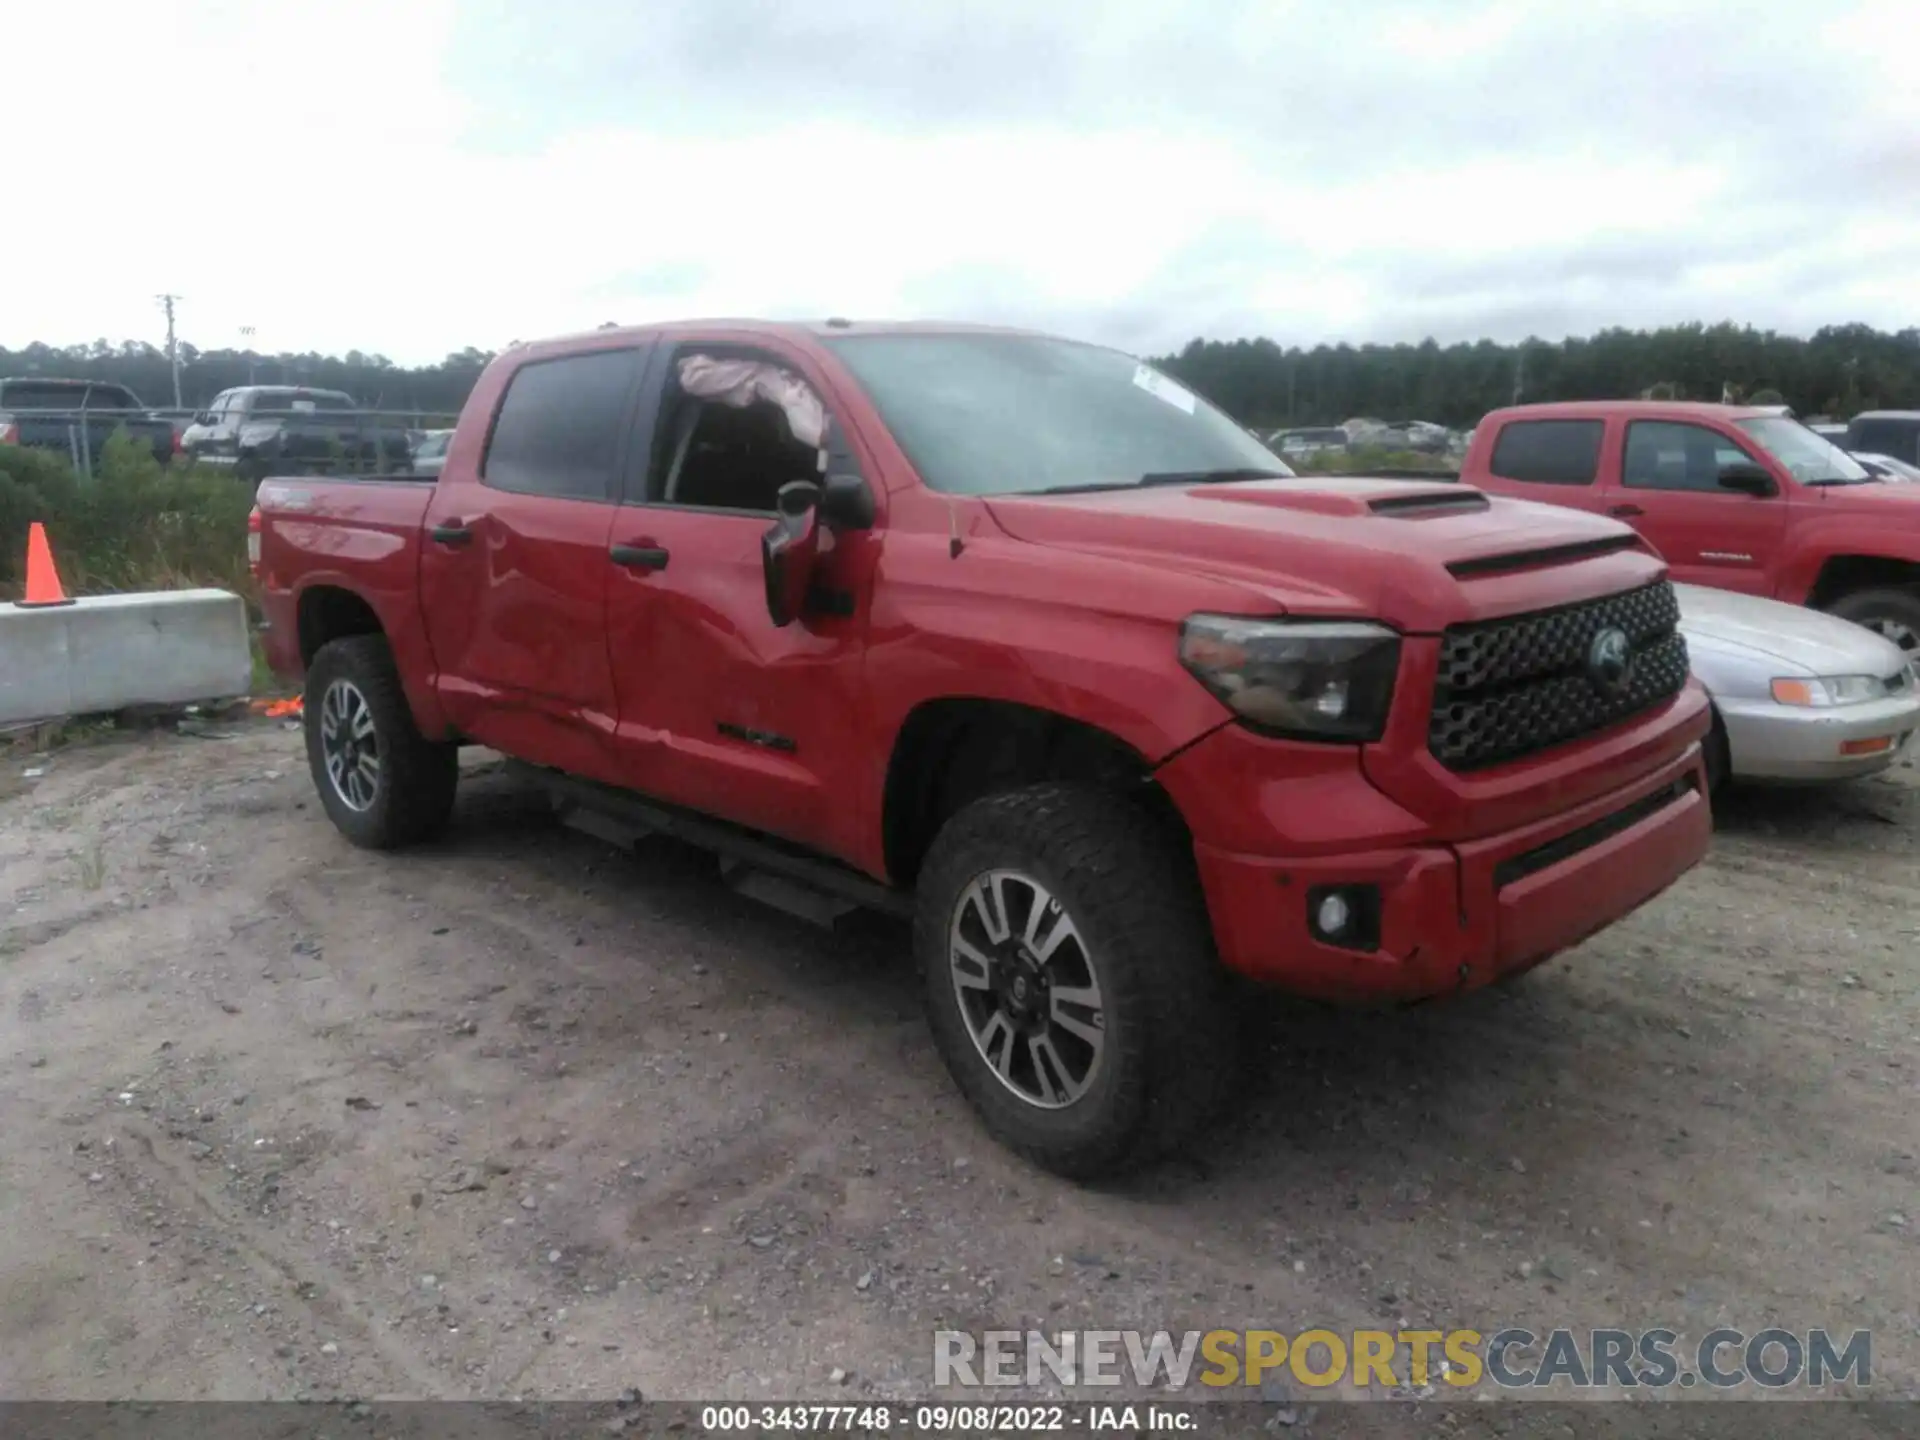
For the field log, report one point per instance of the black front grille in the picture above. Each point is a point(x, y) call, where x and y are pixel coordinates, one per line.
point(1507, 688)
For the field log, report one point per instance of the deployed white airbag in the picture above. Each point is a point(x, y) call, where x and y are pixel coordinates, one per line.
point(741, 383)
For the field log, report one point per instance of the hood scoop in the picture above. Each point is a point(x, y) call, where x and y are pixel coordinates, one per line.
point(1356, 496)
point(1447, 502)
point(1481, 566)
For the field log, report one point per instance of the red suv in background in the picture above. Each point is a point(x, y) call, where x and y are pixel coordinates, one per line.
point(1736, 497)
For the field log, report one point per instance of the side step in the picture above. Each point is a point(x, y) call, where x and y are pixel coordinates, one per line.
point(809, 886)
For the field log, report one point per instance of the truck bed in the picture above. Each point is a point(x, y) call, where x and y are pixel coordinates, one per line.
point(360, 534)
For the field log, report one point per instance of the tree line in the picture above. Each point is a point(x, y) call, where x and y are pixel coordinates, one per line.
point(1838, 371)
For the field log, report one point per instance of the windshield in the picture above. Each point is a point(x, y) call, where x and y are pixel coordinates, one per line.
point(1809, 458)
point(298, 402)
point(1017, 414)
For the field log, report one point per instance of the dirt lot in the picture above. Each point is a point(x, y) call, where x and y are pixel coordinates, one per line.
point(522, 1115)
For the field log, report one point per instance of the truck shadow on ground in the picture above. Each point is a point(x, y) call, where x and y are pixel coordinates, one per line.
point(1553, 1083)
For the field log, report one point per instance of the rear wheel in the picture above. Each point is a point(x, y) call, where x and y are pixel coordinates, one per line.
point(383, 783)
point(1071, 981)
point(1893, 613)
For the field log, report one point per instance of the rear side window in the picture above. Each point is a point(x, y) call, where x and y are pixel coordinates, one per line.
point(1548, 452)
point(559, 427)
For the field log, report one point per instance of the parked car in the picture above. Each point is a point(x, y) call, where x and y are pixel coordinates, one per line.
point(1305, 444)
point(1797, 695)
point(1886, 432)
point(1734, 497)
point(429, 450)
point(1885, 467)
point(1021, 638)
point(294, 430)
point(78, 417)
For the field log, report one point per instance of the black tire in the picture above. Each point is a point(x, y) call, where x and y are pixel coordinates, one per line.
point(1167, 1047)
point(410, 796)
point(1895, 613)
point(1719, 758)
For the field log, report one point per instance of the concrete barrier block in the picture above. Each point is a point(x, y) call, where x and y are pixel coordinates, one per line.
point(106, 652)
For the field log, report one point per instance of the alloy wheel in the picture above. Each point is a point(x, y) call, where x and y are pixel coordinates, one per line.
point(350, 745)
point(1027, 988)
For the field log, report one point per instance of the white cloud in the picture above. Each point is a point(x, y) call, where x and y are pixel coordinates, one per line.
point(336, 177)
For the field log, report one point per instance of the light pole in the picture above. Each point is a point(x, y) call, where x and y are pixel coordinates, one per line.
point(246, 334)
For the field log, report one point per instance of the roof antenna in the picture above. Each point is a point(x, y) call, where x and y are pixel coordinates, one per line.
point(954, 543)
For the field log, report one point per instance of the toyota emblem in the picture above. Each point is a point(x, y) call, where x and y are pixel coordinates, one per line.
point(1610, 661)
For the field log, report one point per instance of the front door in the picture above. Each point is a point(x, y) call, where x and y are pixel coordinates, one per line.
point(513, 569)
point(1670, 492)
point(720, 709)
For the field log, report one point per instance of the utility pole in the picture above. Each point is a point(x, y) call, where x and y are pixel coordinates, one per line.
point(173, 347)
point(246, 333)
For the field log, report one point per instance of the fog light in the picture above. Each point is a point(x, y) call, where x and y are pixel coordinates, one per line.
point(1333, 915)
point(1345, 915)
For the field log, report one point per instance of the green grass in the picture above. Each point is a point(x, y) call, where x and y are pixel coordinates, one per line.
point(134, 525)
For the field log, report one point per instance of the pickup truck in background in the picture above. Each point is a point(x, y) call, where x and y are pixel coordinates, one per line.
point(293, 430)
point(78, 417)
point(1737, 498)
point(1018, 638)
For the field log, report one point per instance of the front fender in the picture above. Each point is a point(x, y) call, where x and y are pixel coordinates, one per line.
point(1809, 554)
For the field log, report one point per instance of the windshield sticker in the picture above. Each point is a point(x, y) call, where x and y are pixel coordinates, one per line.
point(1161, 388)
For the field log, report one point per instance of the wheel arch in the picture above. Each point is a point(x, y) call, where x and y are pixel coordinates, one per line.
point(951, 752)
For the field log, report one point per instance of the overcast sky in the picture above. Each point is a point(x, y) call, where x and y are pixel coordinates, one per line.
point(415, 176)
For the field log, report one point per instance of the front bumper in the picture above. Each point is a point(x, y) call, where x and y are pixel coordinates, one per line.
point(1770, 741)
point(1452, 917)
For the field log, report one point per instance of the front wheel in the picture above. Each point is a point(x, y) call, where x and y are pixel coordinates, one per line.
point(1071, 981)
point(1893, 614)
point(383, 783)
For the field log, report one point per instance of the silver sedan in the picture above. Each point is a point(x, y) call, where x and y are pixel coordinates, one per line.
point(1798, 696)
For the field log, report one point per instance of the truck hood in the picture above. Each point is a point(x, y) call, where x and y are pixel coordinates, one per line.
point(1418, 555)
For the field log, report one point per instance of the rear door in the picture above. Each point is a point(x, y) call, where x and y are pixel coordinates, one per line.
point(721, 710)
point(514, 568)
point(1670, 491)
point(1555, 462)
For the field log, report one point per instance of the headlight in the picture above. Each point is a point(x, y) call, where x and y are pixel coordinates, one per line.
point(1314, 680)
point(1828, 690)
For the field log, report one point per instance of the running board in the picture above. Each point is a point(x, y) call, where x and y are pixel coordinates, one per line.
point(808, 886)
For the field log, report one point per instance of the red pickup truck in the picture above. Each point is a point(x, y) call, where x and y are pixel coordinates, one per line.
point(1739, 498)
point(1018, 637)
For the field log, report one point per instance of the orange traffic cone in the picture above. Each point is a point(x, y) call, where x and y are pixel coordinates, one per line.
point(43, 581)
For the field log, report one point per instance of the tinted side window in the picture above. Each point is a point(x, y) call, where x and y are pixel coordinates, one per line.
point(1663, 455)
point(1548, 452)
point(1898, 438)
point(559, 427)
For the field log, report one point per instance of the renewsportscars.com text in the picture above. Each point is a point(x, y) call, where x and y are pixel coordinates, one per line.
point(1510, 1358)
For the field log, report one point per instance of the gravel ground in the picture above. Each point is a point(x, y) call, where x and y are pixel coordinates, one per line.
point(520, 1115)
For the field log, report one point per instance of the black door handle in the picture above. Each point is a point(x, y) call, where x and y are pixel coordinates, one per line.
point(639, 557)
point(452, 533)
point(1626, 512)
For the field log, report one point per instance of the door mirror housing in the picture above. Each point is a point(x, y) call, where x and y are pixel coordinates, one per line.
point(789, 548)
point(846, 503)
point(1748, 478)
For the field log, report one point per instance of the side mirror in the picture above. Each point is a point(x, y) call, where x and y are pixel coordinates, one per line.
point(1748, 478)
point(788, 549)
point(846, 503)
